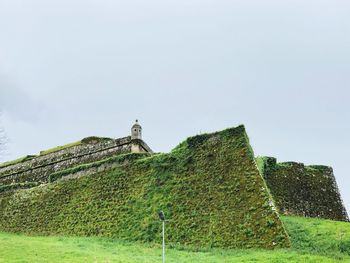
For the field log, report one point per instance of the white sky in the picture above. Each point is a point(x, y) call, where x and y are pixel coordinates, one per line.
point(70, 69)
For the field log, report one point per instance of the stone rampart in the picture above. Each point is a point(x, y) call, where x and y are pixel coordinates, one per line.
point(303, 190)
point(89, 150)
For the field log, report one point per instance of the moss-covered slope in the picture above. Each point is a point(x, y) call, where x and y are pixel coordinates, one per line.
point(303, 190)
point(209, 188)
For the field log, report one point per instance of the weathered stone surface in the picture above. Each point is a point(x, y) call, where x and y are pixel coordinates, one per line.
point(90, 150)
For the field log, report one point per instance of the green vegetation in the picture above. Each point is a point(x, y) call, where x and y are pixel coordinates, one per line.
point(319, 236)
point(208, 186)
point(19, 160)
point(15, 186)
point(59, 148)
point(92, 139)
point(85, 140)
point(264, 162)
point(313, 240)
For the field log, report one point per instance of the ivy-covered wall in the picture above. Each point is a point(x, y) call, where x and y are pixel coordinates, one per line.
point(303, 190)
point(209, 188)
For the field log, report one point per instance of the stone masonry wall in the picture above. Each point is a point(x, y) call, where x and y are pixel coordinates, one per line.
point(91, 149)
point(302, 190)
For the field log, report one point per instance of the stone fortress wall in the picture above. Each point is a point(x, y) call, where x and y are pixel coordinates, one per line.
point(91, 149)
point(302, 190)
point(296, 189)
point(209, 188)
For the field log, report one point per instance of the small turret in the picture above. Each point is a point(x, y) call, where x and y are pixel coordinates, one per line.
point(136, 131)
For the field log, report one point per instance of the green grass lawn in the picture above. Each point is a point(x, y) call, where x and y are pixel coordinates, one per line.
point(313, 240)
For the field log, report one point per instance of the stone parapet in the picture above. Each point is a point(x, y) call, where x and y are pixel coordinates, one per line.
point(91, 149)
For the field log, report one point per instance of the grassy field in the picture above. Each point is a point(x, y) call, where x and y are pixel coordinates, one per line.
point(314, 240)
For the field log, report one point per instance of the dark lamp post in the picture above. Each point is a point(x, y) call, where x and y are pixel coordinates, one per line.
point(161, 216)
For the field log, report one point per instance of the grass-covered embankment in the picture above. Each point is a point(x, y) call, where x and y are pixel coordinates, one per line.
point(319, 236)
point(313, 240)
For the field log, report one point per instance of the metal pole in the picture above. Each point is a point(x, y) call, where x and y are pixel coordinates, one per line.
point(163, 242)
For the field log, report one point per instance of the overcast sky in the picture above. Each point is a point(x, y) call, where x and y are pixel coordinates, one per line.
point(71, 69)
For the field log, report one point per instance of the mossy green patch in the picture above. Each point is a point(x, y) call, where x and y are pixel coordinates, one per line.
point(16, 161)
point(15, 186)
point(59, 148)
point(91, 139)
